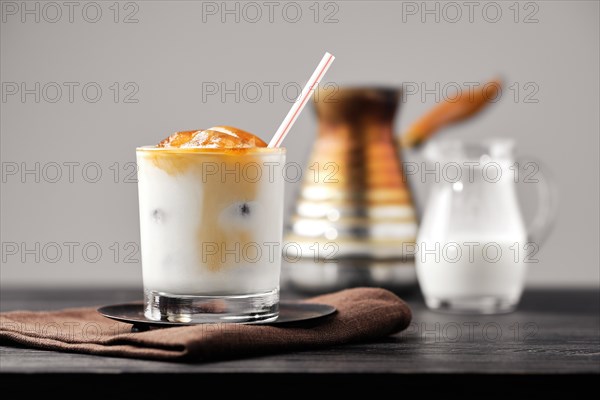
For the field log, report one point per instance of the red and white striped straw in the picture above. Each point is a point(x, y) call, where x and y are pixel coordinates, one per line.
point(301, 101)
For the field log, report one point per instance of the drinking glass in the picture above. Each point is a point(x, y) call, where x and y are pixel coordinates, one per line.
point(211, 226)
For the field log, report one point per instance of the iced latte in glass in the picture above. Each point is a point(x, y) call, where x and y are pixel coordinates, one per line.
point(211, 211)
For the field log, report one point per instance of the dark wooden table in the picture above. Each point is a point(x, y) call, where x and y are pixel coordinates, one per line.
point(554, 332)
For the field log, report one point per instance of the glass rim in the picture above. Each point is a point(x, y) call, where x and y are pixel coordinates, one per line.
point(468, 149)
point(213, 151)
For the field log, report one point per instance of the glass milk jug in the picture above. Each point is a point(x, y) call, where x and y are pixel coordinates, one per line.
point(473, 246)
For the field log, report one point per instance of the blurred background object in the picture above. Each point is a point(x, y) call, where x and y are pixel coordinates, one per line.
point(354, 207)
point(460, 105)
point(474, 247)
point(69, 213)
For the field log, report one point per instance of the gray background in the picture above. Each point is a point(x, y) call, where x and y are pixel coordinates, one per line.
point(171, 51)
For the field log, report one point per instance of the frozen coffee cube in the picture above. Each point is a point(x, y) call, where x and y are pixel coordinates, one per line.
point(177, 139)
point(242, 214)
point(218, 137)
point(224, 137)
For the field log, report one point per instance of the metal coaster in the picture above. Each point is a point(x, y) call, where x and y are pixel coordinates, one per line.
point(290, 313)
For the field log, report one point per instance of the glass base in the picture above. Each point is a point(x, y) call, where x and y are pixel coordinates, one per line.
point(249, 308)
point(472, 305)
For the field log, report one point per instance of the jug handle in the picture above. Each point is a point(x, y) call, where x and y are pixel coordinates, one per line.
point(547, 202)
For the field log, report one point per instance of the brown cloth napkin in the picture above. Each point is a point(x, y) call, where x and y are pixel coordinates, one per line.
point(362, 314)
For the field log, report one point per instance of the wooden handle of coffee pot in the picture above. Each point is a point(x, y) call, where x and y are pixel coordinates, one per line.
point(451, 110)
